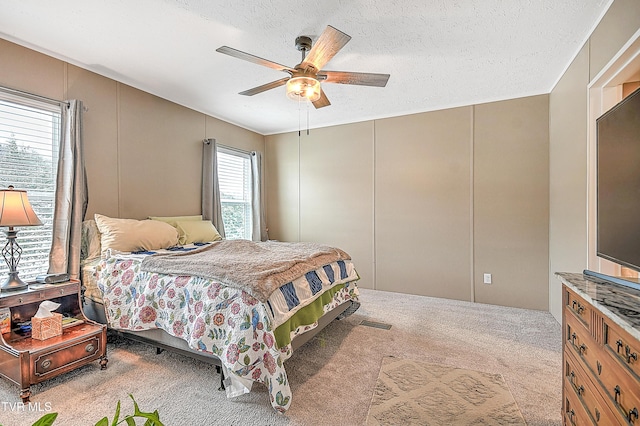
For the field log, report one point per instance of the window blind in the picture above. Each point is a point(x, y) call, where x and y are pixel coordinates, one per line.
point(29, 140)
point(234, 179)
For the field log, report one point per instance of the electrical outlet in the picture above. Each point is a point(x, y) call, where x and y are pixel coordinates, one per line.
point(487, 278)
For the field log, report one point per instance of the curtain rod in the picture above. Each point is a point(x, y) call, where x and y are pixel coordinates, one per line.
point(230, 148)
point(32, 96)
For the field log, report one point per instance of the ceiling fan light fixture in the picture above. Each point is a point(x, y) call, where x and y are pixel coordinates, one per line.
point(303, 88)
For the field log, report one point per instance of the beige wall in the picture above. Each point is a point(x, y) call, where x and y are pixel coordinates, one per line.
point(425, 203)
point(568, 124)
point(143, 153)
point(422, 203)
point(511, 202)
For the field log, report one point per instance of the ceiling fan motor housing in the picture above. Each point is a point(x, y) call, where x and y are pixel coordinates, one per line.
point(303, 43)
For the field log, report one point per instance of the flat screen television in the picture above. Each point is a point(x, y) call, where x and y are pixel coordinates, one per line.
point(618, 183)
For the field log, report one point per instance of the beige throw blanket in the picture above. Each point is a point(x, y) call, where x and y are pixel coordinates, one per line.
point(259, 268)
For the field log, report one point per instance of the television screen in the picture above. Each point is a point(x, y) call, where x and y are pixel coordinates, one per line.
point(618, 177)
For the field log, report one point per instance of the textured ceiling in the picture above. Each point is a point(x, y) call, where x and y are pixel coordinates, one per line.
point(440, 53)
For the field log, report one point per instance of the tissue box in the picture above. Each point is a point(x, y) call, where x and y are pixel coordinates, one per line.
point(45, 328)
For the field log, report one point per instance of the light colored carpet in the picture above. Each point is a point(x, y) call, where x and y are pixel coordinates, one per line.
point(332, 377)
point(416, 393)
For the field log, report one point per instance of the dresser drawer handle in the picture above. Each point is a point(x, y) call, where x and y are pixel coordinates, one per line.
point(616, 391)
point(630, 355)
point(599, 366)
point(633, 415)
point(46, 364)
point(580, 390)
point(619, 344)
point(573, 338)
point(580, 309)
point(597, 415)
point(582, 348)
point(572, 414)
point(89, 347)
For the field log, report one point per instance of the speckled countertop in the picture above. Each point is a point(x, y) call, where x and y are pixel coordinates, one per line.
point(619, 303)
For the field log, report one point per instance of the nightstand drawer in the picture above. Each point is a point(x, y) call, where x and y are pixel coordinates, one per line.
point(53, 361)
point(52, 291)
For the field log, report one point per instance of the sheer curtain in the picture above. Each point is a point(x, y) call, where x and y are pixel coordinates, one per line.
point(259, 231)
point(211, 209)
point(71, 195)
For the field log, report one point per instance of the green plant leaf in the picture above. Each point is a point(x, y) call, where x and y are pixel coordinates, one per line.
point(116, 417)
point(46, 420)
point(103, 422)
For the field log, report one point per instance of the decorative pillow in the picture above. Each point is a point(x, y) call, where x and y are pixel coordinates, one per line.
point(90, 241)
point(173, 220)
point(197, 232)
point(135, 235)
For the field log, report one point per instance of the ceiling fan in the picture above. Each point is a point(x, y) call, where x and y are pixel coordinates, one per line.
point(303, 82)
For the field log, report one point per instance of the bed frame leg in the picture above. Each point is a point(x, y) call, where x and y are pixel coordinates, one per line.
point(221, 373)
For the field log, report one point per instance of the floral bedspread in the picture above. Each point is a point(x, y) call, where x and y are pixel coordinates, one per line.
point(210, 316)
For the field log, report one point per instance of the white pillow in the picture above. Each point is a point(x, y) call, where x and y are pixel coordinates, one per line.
point(135, 235)
point(201, 231)
point(90, 241)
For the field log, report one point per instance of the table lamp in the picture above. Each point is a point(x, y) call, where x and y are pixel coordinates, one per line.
point(15, 210)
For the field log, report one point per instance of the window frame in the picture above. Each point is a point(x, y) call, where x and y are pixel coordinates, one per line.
point(247, 192)
point(33, 262)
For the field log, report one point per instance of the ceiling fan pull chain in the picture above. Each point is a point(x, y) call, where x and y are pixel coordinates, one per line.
point(299, 118)
point(308, 118)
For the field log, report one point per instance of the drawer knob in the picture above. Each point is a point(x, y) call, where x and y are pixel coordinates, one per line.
point(633, 415)
point(630, 356)
point(597, 415)
point(580, 309)
point(46, 364)
point(599, 366)
point(580, 390)
point(89, 347)
point(582, 348)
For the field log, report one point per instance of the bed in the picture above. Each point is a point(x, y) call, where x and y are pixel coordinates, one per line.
point(180, 297)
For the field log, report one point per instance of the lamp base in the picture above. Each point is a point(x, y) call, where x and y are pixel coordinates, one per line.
point(13, 283)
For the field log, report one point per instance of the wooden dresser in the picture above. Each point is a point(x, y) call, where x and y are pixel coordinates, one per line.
point(601, 332)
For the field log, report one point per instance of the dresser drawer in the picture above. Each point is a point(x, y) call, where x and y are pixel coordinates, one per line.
point(577, 306)
point(623, 347)
point(55, 361)
point(580, 343)
point(578, 381)
point(574, 412)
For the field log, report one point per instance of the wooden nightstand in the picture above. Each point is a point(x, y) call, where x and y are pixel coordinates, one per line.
point(26, 361)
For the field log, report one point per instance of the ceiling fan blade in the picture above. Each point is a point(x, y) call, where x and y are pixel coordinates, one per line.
point(325, 48)
point(359, 78)
point(323, 101)
point(265, 87)
point(252, 58)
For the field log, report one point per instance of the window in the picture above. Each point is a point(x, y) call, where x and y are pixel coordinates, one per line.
point(234, 179)
point(29, 138)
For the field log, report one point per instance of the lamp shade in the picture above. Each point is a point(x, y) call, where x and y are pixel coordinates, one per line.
point(15, 209)
point(303, 88)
